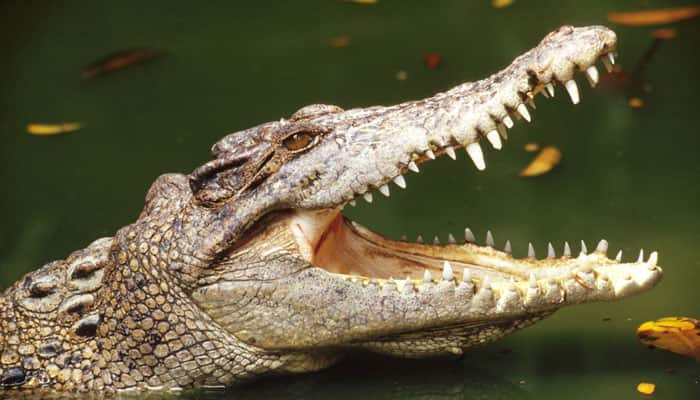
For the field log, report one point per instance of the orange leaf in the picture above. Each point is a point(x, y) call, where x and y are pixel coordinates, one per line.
point(646, 388)
point(680, 335)
point(543, 162)
point(653, 17)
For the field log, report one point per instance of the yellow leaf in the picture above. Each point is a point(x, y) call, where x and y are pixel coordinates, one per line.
point(501, 3)
point(646, 388)
point(52, 129)
point(680, 335)
point(543, 162)
point(653, 17)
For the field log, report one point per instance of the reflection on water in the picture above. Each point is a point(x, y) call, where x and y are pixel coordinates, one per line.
point(629, 175)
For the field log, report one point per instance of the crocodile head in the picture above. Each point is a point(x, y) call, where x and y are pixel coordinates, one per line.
point(321, 281)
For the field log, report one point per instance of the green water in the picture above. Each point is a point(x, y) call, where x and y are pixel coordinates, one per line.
point(628, 175)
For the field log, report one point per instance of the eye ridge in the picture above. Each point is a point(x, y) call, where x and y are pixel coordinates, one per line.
point(299, 141)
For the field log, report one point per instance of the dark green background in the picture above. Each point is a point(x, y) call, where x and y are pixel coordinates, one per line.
point(629, 175)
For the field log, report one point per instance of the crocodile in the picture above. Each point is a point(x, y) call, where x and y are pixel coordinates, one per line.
point(246, 267)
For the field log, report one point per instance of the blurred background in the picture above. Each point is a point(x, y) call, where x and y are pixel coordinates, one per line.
point(629, 169)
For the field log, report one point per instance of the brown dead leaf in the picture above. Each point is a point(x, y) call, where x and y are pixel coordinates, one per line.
point(340, 41)
point(363, 1)
point(635, 102)
point(680, 335)
point(665, 33)
point(653, 17)
point(532, 147)
point(543, 162)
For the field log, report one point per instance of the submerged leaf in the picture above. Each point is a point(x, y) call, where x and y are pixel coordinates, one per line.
point(543, 162)
point(119, 60)
point(52, 129)
point(680, 335)
point(653, 17)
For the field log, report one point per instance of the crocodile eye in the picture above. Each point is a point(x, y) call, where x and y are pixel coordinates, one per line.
point(298, 141)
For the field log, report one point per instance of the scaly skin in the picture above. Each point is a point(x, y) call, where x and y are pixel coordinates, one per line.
point(246, 267)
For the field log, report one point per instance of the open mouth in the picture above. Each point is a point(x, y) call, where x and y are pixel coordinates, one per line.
point(352, 252)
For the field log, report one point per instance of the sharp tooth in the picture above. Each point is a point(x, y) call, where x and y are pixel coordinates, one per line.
point(602, 246)
point(545, 94)
point(430, 154)
point(408, 285)
point(653, 258)
point(384, 189)
point(486, 283)
point(502, 131)
point(368, 197)
point(532, 281)
point(584, 250)
point(447, 271)
point(641, 256)
point(550, 251)
point(353, 203)
point(522, 110)
point(400, 181)
point(592, 75)
point(469, 236)
point(451, 152)
point(494, 139)
point(606, 63)
point(507, 248)
point(404, 238)
point(531, 251)
point(489, 239)
point(467, 276)
point(531, 103)
point(573, 91)
point(567, 250)
point(618, 257)
point(436, 240)
point(611, 58)
point(419, 239)
point(474, 151)
point(508, 122)
point(413, 167)
point(427, 278)
point(451, 239)
point(550, 89)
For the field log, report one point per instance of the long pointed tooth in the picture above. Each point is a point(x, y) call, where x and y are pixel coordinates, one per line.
point(486, 283)
point(584, 249)
point(550, 251)
point(353, 203)
point(436, 240)
point(430, 154)
point(447, 271)
point(413, 167)
point(469, 236)
point(573, 91)
point(641, 256)
point(408, 285)
point(467, 276)
point(618, 257)
point(419, 239)
point(611, 57)
point(550, 89)
point(368, 197)
point(522, 110)
point(475, 153)
point(384, 189)
point(400, 181)
point(489, 239)
point(567, 250)
point(531, 251)
point(592, 75)
point(606, 63)
point(495, 139)
point(653, 258)
point(602, 246)
point(450, 151)
point(451, 239)
point(508, 121)
point(507, 248)
point(427, 278)
point(502, 131)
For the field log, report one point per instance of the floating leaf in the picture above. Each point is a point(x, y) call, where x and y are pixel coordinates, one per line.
point(501, 3)
point(680, 335)
point(635, 102)
point(646, 387)
point(119, 60)
point(665, 33)
point(363, 1)
point(532, 147)
point(543, 162)
point(653, 17)
point(432, 60)
point(340, 41)
point(52, 129)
